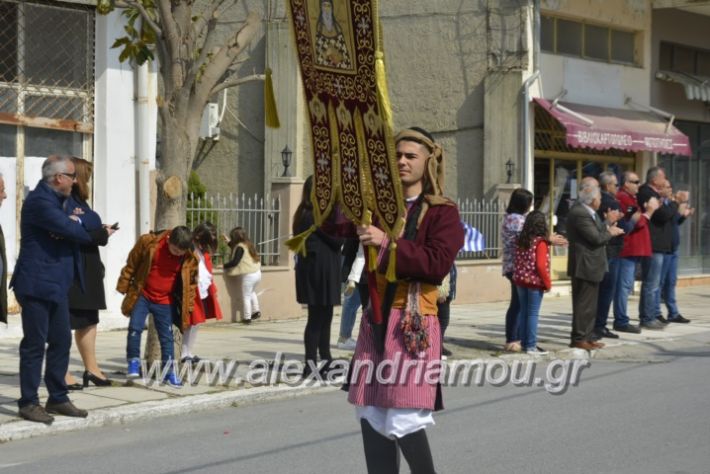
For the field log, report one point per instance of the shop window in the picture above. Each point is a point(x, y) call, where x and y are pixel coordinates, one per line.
point(693, 174)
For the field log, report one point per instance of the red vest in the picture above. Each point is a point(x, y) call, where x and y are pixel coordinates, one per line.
point(525, 272)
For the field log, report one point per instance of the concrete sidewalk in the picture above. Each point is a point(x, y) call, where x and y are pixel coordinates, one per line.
point(475, 332)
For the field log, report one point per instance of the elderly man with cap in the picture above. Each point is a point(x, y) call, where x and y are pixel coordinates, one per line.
point(394, 412)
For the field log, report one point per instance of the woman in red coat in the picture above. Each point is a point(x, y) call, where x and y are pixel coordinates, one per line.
point(206, 304)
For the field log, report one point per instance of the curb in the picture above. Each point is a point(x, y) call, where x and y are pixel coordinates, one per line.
point(22, 429)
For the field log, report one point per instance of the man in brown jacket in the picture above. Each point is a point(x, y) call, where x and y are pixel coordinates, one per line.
point(159, 278)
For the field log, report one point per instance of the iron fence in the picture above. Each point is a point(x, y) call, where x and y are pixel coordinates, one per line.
point(486, 216)
point(259, 216)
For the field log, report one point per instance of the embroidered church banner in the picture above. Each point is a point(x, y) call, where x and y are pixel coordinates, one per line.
point(339, 50)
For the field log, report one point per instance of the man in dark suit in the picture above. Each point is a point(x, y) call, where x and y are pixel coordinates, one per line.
point(44, 271)
point(587, 263)
point(3, 261)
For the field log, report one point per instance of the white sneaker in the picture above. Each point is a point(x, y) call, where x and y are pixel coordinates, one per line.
point(348, 345)
point(537, 351)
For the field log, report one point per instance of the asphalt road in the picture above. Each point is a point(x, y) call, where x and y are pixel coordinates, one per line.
point(622, 417)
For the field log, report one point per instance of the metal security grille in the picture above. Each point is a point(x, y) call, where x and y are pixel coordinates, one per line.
point(47, 65)
point(486, 217)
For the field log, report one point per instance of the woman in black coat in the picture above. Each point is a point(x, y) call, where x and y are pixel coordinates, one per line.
point(317, 281)
point(84, 305)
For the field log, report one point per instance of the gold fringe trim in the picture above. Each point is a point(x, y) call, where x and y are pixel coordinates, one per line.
point(382, 95)
point(271, 113)
point(372, 260)
point(391, 274)
point(380, 75)
point(297, 243)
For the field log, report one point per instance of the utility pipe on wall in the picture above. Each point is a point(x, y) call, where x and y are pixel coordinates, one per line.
point(528, 164)
point(143, 148)
point(528, 159)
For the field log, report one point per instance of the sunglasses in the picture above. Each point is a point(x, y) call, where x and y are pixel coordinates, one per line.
point(69, 175)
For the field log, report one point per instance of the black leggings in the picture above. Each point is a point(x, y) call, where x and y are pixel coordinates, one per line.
point(444, 315)
point(316, 338)
point(382, 455)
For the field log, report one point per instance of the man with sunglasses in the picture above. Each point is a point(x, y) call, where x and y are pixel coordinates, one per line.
point(45, 269)
point(637, 245)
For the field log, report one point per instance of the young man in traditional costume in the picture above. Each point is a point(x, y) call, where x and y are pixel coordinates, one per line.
point(395, 405)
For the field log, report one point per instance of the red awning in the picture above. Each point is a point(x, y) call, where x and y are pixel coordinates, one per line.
point(602, 128)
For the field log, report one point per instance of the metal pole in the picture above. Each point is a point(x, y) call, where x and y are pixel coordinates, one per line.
point(143, 149)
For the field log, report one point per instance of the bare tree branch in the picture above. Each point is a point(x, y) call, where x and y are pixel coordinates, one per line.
point(141, 9)
point(207, 14)
point(173, 67)
point(170, 34)
point(236, 81)
point(223, 59)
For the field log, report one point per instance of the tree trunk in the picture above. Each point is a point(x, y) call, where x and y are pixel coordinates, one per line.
point(178, 145)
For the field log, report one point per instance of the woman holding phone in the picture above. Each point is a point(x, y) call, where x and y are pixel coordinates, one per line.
point(84, 305)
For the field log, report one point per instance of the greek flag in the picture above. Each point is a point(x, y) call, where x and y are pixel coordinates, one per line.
point(473, 239)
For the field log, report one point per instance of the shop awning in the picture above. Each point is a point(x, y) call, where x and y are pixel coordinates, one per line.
point(696, 87)
point(602, 128)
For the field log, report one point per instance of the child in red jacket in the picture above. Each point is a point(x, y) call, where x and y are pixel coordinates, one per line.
point(532, 277)
point(206, 304)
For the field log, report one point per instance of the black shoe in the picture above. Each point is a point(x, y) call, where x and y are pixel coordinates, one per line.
point(195, 359)
point(256, 315)
point(98, 381)
point(608, 334)
point(661, 319)
point(246, 321)
point(630, 328)
point(186, 360)
point(36, 413)
point(446, 352)
point(678, 319)
point(325, 368)
point(75, 386)
point(66, 409)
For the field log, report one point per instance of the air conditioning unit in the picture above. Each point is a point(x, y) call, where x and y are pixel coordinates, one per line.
point(209, 127)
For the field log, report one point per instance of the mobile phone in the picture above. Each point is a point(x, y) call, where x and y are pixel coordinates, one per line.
point(115, 226)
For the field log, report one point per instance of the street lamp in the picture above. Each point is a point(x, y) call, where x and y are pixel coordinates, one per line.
point(286, 159)
point(509, 167)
